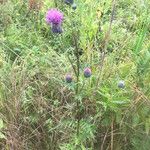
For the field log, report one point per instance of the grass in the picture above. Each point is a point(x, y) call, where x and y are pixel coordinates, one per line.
point(40, 111)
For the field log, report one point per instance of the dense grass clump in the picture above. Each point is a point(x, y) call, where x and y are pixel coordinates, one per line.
point(75, 75)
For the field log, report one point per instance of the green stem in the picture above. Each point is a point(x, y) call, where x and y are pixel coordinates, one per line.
point(77, 85)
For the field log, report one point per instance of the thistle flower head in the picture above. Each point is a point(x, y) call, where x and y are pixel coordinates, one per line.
point(87, 72)
point(54, 16)
point(68, 78)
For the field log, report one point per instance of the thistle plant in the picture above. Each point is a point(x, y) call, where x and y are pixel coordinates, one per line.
point(78, 73)
point(91, 109)
point(54, 17)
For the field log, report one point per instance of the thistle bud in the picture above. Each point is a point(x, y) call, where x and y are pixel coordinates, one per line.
point(69, 2)
point(68, 78)
point(87, 72)
point(121, 84)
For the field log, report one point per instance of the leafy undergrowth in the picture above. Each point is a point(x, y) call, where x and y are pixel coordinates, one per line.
point(87, 88)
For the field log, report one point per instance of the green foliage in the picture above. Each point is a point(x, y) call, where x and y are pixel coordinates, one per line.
point(39, 110)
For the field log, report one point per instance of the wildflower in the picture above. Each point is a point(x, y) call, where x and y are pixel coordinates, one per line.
point(69, 2)
point(87, 72)
point(121, 84)
point(68, 78)
point(54, 16)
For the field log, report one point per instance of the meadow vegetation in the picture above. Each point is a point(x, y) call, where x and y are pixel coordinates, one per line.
point(82, 83)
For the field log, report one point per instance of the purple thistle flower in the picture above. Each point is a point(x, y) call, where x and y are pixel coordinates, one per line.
point(68, 78)
point(54, 16)
point(87, 72)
